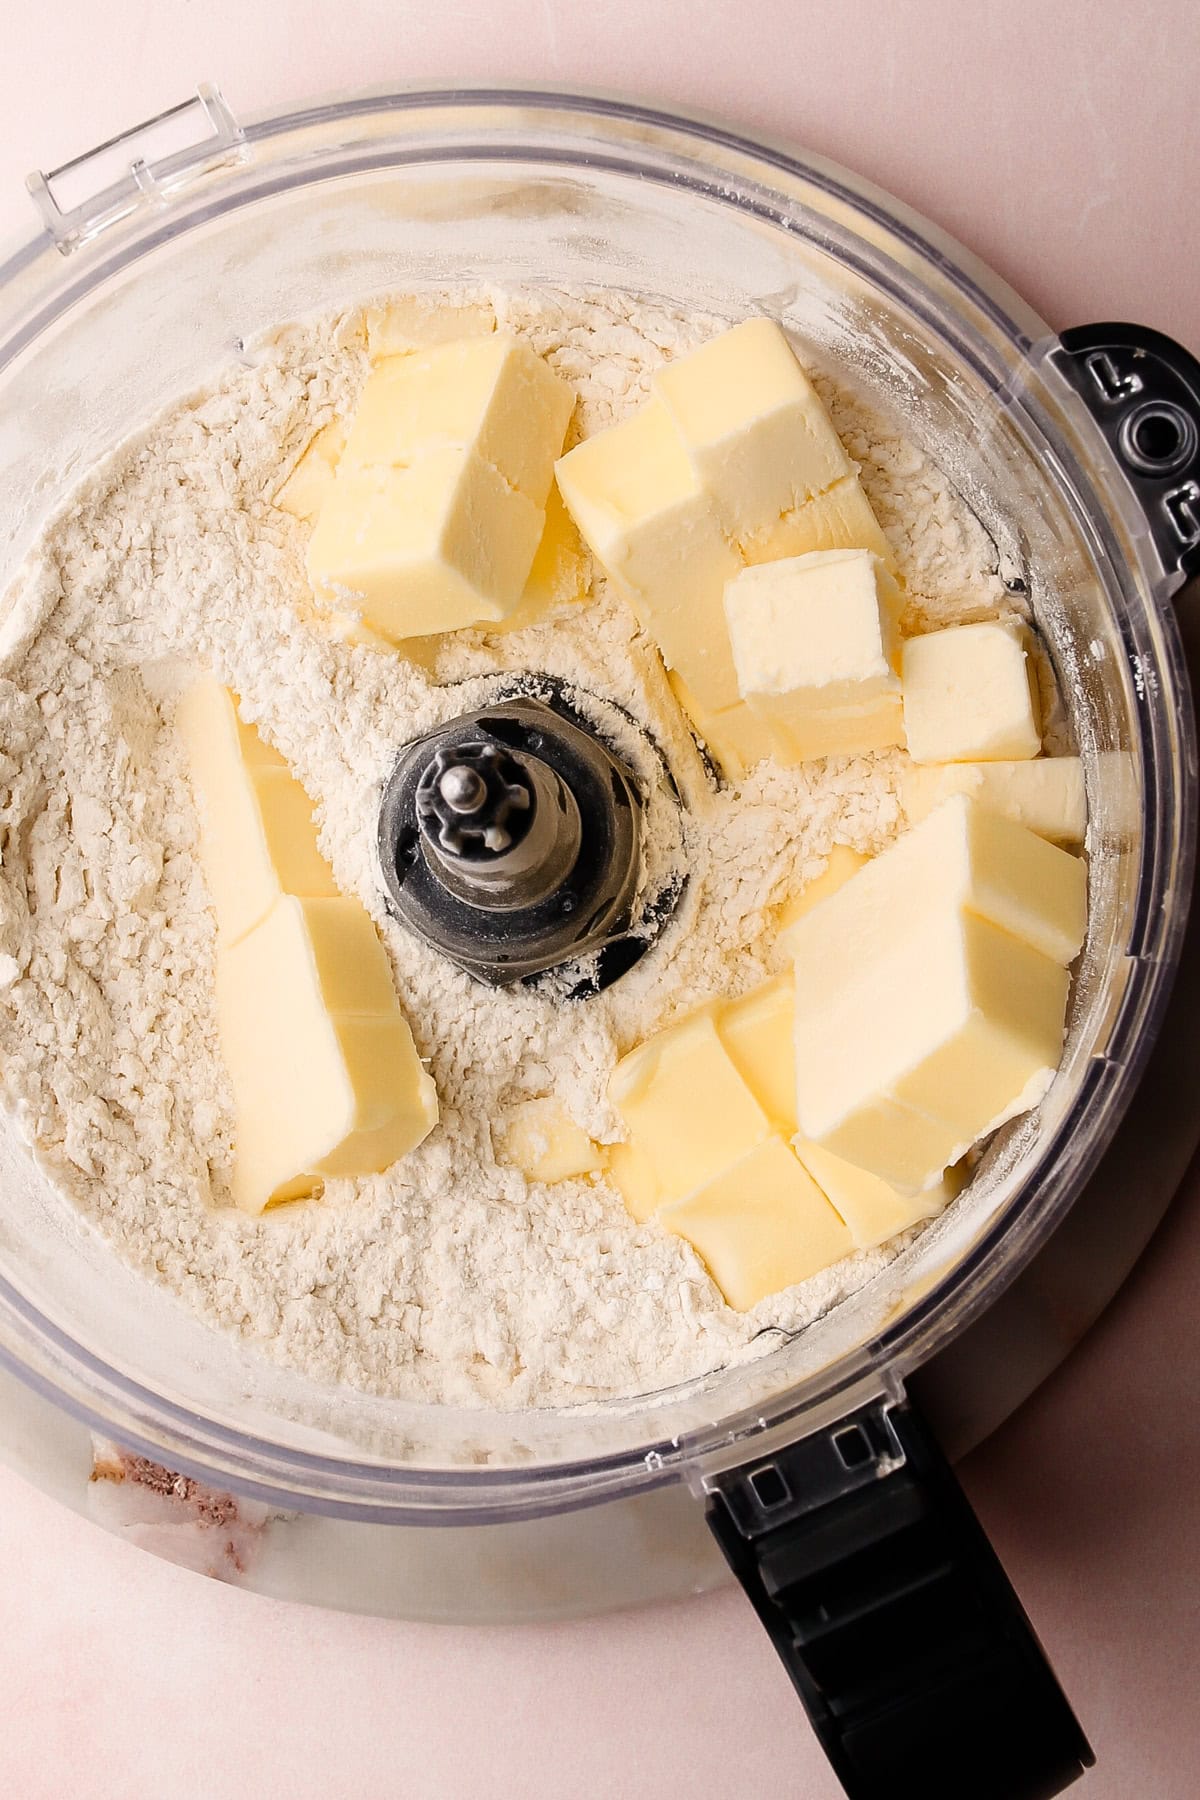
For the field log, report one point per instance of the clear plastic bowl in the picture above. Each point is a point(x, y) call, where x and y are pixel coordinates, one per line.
point(143, 294)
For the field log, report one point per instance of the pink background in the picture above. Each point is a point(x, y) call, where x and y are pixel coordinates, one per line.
point(1063, 150)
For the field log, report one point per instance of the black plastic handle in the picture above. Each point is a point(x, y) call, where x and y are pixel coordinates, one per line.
point(1143, 391)
point(901, 1632)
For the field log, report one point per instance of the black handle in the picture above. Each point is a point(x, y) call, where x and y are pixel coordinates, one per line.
point(1143, 391)
point(894, 1618)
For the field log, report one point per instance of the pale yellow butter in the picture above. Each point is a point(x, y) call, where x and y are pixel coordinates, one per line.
point(650, 523)
point(417, 321)
point(736, 737)
point(442, 543)
point(873, 1211)
point(257, 835)
point(489, 394)
point(962, 856)
point(971, 695)
point(815, 643)
point(841, 863)
point(630, 1170)
point(760, 1225)
point(540, 1138)
point(325, 1076)
point(1046, 794)
point(752, 425)
point(687, 1108)
point(560, 577)
point(839, 519)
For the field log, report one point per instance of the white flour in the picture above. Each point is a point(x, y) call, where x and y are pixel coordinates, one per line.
point(450, 1277)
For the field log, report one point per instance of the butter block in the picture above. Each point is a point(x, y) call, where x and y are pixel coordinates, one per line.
point(489, 394)
point(737, 738)
point(257, 835)
point(839, 519)
point(435, 546)
point(417, 321)
point(752, 425)
point(841, 863)
point(650, 523)
point(815, 643)
point(971, 695)
point(955, 1031)
point(540, 1138)
point(1046, 795)
point(685, 1104)
point(325, 1076)
point(305, 491)
point(760, 1225)
point(873, 1210)
point(961, 857)
point(758, 1030)
point(631, 1173)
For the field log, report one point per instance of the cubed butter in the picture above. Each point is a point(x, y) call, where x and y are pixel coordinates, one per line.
point(431, 547)
point(1046, 794)
point(491, 394)
point(759, 1033)
point(815, 645)
point(257, 835)
point(957, 1031)
point(630, 1170)
point(650, 523)
point(737, 738)
point(685, 1104)
point(760, 1225)
point(962, 856)
point(841, 863)
point(839, 519)
point(540, 1138)
point(325, 1076)
point(873, 1211)
point(971, 695)
point(305, 491)
point(752, 425)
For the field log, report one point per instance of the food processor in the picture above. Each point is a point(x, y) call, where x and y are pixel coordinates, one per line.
point(820, 1471)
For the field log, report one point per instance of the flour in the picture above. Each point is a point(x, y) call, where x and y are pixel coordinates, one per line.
point(450, 1277)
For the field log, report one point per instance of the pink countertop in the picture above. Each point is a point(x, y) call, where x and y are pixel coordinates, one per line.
point(1063, 150)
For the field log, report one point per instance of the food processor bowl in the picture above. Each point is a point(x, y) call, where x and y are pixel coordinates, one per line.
point(156, 265)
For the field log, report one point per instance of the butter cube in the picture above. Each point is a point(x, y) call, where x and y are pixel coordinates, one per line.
point(492, 395)
point(440, 544)
point(752, 425)
point(815, 644)
point(762, 1224)
point(962, 856)
point(759, 1033)
point(1046, 795)
point(540, 1138)
point(325, 1076)
point(841, 864)
point(873, 1210)
point(257, 835)
point(631, 1173)
point(839, 519)
point(957, 1031)
point(971, 695)
point(650, 523)
point(687, 1108)
point(305, 491)
point(737, 738)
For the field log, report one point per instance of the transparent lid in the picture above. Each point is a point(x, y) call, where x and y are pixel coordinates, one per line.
point(140, 293)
